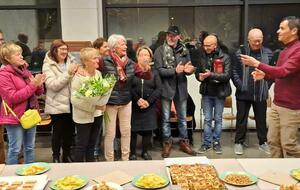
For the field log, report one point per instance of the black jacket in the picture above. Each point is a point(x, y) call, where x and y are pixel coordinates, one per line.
point(174, 85)
point(218, 83)
point(149, 90)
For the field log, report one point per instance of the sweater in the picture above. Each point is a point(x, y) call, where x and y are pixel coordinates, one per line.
point(287, 76)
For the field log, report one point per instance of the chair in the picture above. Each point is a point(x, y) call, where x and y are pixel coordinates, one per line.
point(229, 115)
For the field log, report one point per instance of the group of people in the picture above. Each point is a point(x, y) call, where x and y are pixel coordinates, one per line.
point(158, 76)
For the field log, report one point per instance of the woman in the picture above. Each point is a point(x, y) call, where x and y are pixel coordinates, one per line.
point(18, 89)
point(59, 72)
point(86, 114)
point(145, 93)
point(119, 103)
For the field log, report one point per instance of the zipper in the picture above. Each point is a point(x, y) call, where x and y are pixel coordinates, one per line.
point(142, 89)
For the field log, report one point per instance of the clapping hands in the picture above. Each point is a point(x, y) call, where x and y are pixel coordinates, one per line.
point(38, 80)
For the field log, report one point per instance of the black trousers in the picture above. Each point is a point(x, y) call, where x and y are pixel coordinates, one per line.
point(146, 141)
point(62, 133)
point(86, 137)
point(260, 114)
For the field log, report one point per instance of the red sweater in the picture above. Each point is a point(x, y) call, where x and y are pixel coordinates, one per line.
point(287, 76)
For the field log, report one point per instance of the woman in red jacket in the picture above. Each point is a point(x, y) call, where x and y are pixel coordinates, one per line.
point(18, 89)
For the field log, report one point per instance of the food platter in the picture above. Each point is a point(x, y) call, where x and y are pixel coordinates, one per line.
point(111, 185)
point(33, 169)
point(150, 181)
point(72, 182)
point(295, 173)
point(238, 178)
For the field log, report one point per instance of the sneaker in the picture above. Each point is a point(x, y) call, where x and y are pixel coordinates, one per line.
point(265, 147)
point(238, 149)
point(204, 148)
point(217, 147)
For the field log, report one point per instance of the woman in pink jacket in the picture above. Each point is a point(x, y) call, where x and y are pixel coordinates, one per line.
point(18, 88)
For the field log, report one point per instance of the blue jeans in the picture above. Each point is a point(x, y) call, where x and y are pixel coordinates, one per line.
point(16, 137)
point(213, 110)
point(181, 118)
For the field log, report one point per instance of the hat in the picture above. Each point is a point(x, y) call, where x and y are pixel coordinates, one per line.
point(173, 30)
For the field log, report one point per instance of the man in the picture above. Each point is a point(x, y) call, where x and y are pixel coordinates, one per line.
point(284, 117)
point(2, 152)
point(26, 52)
point(213, 71)
point(251, 93)
point(173, 63)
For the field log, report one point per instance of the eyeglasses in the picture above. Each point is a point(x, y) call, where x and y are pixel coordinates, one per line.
point(208, 45)
point(63, 49)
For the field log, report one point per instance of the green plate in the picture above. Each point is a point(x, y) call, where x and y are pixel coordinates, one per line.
point(252, 177)
point(295, 173)
point(22, 169)
point(84, 178)
point(136, 178)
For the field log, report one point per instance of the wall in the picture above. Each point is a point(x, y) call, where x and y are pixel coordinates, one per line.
point(80, 19)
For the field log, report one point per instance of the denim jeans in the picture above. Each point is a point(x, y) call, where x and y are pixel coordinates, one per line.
point(181, 118)
point(16, 137)
point(213, 110)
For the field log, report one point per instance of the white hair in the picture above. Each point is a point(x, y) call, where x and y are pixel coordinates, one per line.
point(114, 39)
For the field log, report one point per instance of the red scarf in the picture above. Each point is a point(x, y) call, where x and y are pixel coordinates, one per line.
point(120, 64)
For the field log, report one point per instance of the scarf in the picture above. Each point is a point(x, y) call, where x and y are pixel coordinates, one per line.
point(120, 65)
point(262, 91)
point(26, 75)
point(169, 60)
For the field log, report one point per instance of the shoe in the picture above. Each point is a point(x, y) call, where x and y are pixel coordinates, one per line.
point(186, 147)
point(217, 147)
point(132, 157)
point(146, 156)
point(204, 148)
point(167, 146)
point(56, 159)
point(67, 159)
point(265, 147)
point(238, 149)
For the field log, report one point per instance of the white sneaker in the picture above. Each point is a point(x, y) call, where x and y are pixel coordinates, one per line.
point(238, 149)
point(265, 147)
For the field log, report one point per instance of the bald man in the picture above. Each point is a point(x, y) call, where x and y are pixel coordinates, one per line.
point(250, 93)
point(213, 71)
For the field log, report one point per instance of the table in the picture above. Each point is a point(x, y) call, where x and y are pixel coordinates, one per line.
point(133, 168)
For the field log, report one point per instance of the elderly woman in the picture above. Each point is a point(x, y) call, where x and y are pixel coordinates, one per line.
point(119, 103)
point(87, 115)
point(18, 89)
point(145, 93)
point(59, 72)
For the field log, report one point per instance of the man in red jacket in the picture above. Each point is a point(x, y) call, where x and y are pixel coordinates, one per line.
point(284, 118)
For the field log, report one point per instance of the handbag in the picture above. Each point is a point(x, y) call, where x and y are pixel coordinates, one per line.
point(29, 119)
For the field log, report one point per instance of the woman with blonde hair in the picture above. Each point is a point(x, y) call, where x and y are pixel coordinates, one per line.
point(87, 115)
point(19, 90)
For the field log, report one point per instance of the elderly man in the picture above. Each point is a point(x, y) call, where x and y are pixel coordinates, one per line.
point(213, 71)
point(251, 93)
point(284, 117)
point(173, 63)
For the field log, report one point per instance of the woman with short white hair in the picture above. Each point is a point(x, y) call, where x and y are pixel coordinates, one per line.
point(119, 103)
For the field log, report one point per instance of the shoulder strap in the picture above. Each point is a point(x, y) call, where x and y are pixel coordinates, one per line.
point(9, 109)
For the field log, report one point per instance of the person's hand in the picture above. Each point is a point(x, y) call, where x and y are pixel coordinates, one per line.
point(203, 76)
point(189, 68)
point(73, 69)
point(38, 80)
point(248, 60)
point(140, 102)
point(180, 68)
point(101, 108)
point(258, 74)
point(145, 105)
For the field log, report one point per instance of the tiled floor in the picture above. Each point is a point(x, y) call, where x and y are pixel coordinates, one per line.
point(43, 148)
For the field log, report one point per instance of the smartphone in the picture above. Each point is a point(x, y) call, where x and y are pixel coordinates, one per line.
point(243, 49)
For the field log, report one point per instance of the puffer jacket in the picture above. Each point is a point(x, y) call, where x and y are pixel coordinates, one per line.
point(16, 93)
point(216, 81)
point(58, 87)
point(121, 94)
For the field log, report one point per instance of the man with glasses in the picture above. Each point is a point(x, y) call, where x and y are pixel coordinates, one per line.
point(213, 71)
point(251, 93)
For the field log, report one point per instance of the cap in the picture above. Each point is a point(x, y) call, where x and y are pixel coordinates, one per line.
point(173, 30)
